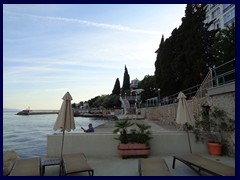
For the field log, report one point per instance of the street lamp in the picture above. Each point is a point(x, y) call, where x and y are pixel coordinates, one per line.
point(159, 100)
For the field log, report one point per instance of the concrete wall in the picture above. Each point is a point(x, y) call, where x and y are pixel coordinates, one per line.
point(105, 145)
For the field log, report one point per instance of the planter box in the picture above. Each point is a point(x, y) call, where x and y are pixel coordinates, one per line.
point(126, 150)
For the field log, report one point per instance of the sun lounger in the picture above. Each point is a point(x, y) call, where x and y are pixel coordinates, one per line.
point(75, 163)
point(153, 167)
point(27, 167)
point(198, 164)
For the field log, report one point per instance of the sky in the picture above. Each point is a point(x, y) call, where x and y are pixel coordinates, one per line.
point(49, 49)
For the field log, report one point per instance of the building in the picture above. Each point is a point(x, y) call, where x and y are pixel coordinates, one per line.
point(222, 15)
point(134, 84)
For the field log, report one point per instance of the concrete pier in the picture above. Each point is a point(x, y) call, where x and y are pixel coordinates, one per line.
point(37, 112)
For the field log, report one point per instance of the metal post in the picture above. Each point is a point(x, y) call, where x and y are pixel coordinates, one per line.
point(159, 100)
point(215, 75)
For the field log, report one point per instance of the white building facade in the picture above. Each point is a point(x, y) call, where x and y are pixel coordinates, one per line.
point(222, 15)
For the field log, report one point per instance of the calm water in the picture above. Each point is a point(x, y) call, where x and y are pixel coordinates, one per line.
point(27, 135)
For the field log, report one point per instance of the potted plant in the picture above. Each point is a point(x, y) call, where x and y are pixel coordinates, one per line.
point(135, 142)
point(215, 127)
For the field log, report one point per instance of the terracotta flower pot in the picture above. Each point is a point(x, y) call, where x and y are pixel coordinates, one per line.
point(215, 149)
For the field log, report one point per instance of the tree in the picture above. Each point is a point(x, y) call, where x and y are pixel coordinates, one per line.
point(116, 90)
point(224, 45)
point(158, 60)
point(74, 105)
point(182, 58)
point(126, 82)
point(148, 84)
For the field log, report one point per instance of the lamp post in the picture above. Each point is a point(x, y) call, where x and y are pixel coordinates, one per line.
point(159, 100)
point(215, 75)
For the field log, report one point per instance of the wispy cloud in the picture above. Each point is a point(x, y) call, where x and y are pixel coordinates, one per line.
point(85, 23)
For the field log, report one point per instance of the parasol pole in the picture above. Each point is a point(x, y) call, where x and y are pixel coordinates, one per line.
point(62, 143)
point(61, 164)
point(189, 142)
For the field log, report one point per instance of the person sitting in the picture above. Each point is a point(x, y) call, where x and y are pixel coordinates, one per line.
point(90, 128)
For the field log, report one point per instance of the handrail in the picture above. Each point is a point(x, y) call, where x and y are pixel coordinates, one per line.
point(208, 82)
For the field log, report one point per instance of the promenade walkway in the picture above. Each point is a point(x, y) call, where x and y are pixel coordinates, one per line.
point(156, 126)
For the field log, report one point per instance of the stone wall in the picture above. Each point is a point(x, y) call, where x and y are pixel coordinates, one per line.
point(225, 102)
point(222, 97)
point(167, 114)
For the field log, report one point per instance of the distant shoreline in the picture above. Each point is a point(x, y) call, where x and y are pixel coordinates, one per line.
point(10, 110)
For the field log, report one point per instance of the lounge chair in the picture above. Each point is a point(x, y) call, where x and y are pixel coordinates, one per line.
point(198, 164)
point(75, 163)
point(27, 167)
point(153, 167)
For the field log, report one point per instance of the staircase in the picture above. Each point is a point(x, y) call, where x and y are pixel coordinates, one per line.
point(125, 104)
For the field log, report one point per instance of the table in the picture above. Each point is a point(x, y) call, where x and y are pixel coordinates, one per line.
point(49, 162)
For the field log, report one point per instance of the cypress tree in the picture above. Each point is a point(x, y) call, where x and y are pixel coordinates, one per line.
point(116, 90)
point(158, 61)
point(181, 62)
point(126, 82)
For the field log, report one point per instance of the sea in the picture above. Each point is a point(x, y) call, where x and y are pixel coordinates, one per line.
point(27, 135)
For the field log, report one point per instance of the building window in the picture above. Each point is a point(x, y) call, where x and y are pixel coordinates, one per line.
point(226, 7)
point(229, 18)
point(207, 20)
point(217, 24)
point(215, 13)
point(212, 5)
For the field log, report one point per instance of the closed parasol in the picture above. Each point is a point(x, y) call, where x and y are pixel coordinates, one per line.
point(184, 114)
point(65, 119)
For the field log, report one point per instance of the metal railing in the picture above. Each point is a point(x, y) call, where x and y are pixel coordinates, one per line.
point(217, 76)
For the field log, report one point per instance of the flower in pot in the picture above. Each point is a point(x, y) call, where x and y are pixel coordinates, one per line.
point(215, 127)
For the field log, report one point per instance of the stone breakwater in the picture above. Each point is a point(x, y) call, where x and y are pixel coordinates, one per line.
point(37, 112)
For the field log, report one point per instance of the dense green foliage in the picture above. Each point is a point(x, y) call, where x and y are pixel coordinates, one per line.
point(141, 134)
point(223, 49)
point(182, 58)
point(126, 82)
point(106, 101)
point(116, 90)
point(149, 86)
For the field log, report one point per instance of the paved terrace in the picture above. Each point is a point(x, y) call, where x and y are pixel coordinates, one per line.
point(116, 166)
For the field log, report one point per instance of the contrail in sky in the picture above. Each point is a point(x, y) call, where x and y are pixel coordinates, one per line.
point(87, 23)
